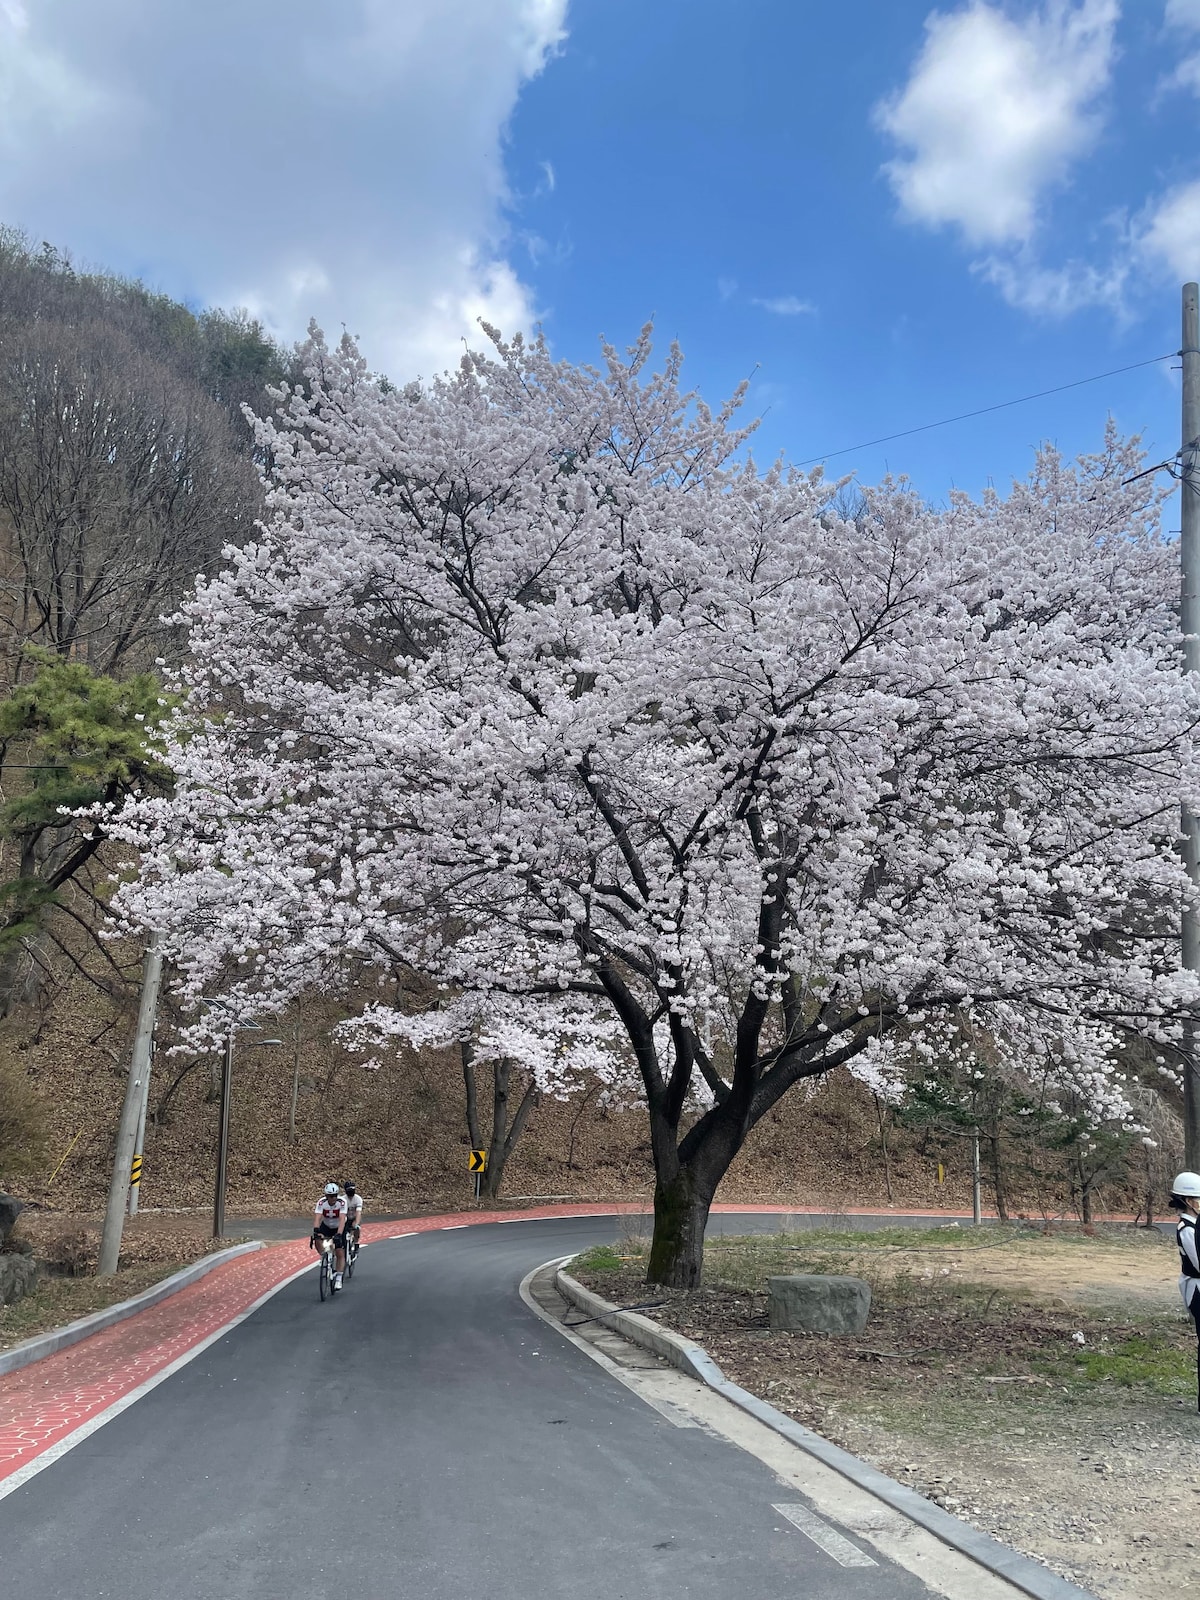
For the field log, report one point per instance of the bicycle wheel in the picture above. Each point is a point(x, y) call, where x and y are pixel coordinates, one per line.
point(323, 1274)
point(349, 1259)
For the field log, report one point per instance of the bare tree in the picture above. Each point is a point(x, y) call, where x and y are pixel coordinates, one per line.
point(121, 478)
point(506, 1128)
point(119, 482)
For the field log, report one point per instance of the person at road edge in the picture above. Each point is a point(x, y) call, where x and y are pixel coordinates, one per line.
point(1185, 1198)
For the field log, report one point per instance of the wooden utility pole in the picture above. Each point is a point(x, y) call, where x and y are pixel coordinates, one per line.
point(131, 1111)
point(1189, 555)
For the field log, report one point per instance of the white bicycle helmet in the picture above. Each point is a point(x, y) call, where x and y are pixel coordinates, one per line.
point(331, 1189)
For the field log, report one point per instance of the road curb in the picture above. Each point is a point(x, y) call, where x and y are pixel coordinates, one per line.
point(1021, 1571)
point(48, 1344)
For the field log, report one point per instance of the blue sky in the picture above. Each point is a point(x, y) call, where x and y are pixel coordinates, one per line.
point(887, 212)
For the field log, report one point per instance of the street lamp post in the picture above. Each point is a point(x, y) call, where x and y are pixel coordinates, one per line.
point(223, 1123)
point(223, 1139)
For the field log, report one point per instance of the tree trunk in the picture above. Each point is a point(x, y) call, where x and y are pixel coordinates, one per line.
point(580, 1109)
point(468, 1067)
point(1150, 1188)
point(681, 1207)
point(883, 1140)
point(160, 1111)
point(296, 1038)
point(998, 1176)
point(504, 1134)
point(1085, 1194)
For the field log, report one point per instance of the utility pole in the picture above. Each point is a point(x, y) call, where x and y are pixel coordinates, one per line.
point(1189, 555)
point(132, 1110)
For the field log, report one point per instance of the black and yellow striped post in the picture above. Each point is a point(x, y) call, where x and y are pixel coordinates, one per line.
point(135, 1172)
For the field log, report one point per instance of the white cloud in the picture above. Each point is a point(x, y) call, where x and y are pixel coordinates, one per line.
point(727, 288)
point(343, 161)
point(1184, 15)
point(995, 112)
point(1058, 291)
point(1186, 75)
point(1171, 235)
point(786, 305)
point(43, 95)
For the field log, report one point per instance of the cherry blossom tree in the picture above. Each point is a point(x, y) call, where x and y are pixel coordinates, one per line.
point(535, 682)
point(563, 1047)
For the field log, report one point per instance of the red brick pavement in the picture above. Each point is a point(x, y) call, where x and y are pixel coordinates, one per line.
point(41, 1405)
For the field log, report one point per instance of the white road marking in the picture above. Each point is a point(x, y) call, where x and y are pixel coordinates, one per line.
point(409, 1235)
point(825, 1537)
point(50, 1455)
point(453, 1227)
point(573, 1216)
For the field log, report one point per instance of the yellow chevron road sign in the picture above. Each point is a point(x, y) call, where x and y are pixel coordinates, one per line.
point(478, 1162)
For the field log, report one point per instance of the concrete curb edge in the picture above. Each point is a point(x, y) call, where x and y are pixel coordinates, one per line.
point(1020, 1570)
point(48, 1344)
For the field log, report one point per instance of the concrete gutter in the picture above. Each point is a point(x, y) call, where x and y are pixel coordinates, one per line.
point(1021, 1571)
point(46, 1344)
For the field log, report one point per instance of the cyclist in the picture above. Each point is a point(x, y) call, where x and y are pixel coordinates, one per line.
point(354, 1208)
point(330, 1213)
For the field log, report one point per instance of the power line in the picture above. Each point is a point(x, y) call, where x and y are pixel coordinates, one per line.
point(964, 416)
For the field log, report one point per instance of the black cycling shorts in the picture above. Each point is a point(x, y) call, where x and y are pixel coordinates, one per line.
point(329, 1230)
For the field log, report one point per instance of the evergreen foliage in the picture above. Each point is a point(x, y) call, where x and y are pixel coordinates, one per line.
point(79, 740)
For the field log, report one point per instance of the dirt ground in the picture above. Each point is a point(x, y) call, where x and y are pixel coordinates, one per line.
point(1043, 1388)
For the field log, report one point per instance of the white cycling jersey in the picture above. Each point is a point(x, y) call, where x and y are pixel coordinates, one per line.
point(1189, 1257)
point(355, 1204)
point(330, 1212)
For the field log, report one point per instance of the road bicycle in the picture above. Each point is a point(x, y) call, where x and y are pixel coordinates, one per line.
point(351, 1252)
point(326, 1268)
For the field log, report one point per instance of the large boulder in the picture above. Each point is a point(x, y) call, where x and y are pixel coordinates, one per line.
point(818, 1303)
point(10, 1210)
point(18, 1277)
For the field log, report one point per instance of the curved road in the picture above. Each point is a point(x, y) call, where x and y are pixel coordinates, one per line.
point(423, 1436)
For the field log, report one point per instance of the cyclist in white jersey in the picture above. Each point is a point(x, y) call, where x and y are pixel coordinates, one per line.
point(330, 1214)
point(354, 1207)
point(1185, 1198)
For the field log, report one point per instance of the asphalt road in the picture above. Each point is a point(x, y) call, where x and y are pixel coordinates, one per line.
point(423, 1436)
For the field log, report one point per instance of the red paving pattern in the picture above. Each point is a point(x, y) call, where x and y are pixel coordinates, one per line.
point(44, 1402)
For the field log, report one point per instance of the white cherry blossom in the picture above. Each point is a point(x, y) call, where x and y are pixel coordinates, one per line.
point(535, 683)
